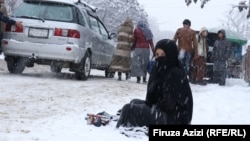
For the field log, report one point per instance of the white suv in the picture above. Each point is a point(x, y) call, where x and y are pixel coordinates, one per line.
point(59, 33)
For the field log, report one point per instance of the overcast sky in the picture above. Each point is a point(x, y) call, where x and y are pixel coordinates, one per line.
point(170, 13)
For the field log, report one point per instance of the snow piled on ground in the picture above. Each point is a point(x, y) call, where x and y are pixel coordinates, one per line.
point(41, 106)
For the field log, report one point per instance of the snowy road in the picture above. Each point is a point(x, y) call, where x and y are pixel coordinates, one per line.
point(41, 106)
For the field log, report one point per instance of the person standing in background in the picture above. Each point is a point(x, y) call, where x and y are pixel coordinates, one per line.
point(220, 56)
point(200, 55)
point(122, 57)
point(186, 38)
point(3, 9)
point(143, 40)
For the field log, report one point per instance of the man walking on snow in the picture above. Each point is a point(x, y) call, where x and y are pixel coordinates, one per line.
point(187, 42)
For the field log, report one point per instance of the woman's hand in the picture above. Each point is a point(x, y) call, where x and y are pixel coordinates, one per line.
point(19, 24)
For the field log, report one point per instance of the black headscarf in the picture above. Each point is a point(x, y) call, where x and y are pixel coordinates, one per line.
point(161, 67)
point(171, 51)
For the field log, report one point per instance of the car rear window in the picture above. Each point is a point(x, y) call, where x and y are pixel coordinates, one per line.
point(46, 11)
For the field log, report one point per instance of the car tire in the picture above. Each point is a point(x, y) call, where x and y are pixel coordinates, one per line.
point(109, 74)
point(84, 68)
point(55, 68)
point(16, 65)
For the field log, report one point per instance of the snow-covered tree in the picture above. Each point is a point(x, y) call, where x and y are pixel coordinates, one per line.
point(158, 33)
point(114, 12)
point(12, 5)
point(237, 21)
point(203, 2)
point(241, 6)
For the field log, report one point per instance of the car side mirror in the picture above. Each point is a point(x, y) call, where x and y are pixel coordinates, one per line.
point(112, 35)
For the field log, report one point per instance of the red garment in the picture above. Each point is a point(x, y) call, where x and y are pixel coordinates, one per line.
point(140, 40)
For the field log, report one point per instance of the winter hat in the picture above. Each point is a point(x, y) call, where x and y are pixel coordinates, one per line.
point(223, 32)
point(169, 47)
point(203, 29)
point(128, 22)
point(187, 22)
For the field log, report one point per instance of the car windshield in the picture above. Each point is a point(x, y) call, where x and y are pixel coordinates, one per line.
point(46, 11)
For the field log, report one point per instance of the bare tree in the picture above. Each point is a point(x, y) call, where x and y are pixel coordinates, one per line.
point(11, 4)
point(237, 21)
point(241, 6)
point(203, 2)
point(114, 12)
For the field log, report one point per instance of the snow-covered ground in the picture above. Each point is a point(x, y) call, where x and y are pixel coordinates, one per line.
point(41, 106)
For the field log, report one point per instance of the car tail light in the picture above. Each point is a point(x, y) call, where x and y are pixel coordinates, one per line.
point(67, 33)
point(74, 33)
point(5, 42)
point(68, 48)
point(13, 28)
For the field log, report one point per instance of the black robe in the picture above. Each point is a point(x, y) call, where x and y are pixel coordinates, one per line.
point(169, 91)
point(168, 101)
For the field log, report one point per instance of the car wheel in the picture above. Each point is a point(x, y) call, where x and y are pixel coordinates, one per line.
point(16, 65)
point(109, 74)
point(84, 68)
point(55, 68)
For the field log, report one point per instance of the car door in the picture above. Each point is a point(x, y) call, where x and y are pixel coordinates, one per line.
point(97, 47)
point(107, 44)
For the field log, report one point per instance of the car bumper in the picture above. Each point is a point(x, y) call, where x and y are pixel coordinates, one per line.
point(67, 52)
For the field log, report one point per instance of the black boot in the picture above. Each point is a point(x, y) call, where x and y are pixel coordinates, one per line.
point(144, 80)
point(119, 76)
point(222, 78)
point(138, 79)
point(127, 76)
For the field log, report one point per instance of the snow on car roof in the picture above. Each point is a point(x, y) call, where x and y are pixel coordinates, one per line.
point(72, 2)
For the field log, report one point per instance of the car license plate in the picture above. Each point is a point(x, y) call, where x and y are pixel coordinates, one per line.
point(38, 32)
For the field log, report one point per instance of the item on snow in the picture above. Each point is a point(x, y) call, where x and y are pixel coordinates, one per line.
point(109, 116)
point(96, 120)
point(150, 65)
point(102, 118)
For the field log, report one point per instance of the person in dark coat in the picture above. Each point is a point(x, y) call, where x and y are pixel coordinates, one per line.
point(3, 9)
point(7, 20)
point(220, 56)
point(169, 97)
